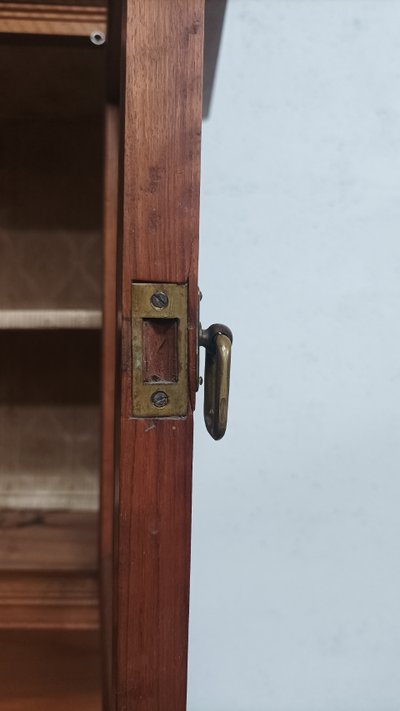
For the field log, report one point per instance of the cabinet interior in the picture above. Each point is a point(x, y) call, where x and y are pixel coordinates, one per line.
point(51, 182)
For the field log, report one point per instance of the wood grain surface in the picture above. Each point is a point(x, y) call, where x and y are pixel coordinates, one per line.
point(160, 144)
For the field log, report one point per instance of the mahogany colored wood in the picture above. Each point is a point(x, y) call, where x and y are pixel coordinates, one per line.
point(214, 19)
point(162, 58)
point(108, 389)
point(49, 671)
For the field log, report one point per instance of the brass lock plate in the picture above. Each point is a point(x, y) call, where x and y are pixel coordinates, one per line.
point(159, 350)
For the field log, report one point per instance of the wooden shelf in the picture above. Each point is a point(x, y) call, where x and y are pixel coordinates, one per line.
point(40, 600)
point(75, 19)
point(51, 541)
point(50, 319)
point(48, 573)
point(49, 670)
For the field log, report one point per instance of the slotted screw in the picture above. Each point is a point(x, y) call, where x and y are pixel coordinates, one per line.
point(159, 399)
point(159, 300)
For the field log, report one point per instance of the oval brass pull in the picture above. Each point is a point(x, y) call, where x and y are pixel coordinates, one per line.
point(217, 340)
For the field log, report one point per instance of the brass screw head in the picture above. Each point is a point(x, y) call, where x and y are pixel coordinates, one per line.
point(159, 300)
point(159, 399)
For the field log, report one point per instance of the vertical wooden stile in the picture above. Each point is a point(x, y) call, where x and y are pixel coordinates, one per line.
point(161, 106)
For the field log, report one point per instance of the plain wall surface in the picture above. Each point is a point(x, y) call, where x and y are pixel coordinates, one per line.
point(295, 600)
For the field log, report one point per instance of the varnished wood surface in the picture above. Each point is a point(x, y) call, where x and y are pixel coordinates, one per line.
point(162, 92)
point(214, 19)
point(49, 671)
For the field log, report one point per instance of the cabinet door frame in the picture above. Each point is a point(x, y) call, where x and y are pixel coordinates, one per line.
point(158, 222)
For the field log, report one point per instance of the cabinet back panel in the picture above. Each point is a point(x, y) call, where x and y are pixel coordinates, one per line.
point(51, 156)
point(49, 419)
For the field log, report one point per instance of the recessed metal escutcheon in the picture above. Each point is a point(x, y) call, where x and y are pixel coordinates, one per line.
point(159, 350)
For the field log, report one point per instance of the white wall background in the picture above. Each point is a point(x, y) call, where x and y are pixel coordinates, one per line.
point(296, 533)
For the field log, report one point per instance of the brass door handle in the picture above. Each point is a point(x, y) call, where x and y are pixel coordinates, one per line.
point(217, 340)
